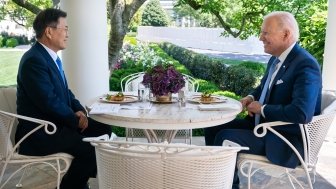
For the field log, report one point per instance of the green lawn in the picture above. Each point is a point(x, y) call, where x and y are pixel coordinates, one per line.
point(9, 63)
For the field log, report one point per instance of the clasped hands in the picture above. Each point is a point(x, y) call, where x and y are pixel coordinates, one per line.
point(83, 121)
point(252, 107)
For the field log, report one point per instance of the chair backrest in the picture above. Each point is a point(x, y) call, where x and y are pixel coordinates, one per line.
point(152, 165)
point(8, 99)
point(131, 82)
point(317, 129)
point(190, 83)
point(6, 124)
point(328, 102)
point(8, 104)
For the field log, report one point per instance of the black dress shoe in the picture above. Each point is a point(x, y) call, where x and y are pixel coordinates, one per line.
point(87, 186)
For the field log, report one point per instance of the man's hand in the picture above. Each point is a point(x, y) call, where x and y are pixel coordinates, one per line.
point(246, 101)
point(254, 108)
point(83, 121)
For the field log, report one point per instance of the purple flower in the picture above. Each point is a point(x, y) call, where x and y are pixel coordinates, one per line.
point(163, 80)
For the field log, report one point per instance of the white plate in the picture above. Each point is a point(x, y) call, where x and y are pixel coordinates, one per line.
point(127, 99)
point(215, 99)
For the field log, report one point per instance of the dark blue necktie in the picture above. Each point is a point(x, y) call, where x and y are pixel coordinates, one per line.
point(266, 87)
point(60, 68)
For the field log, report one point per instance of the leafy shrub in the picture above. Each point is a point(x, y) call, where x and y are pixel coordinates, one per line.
point(256, 66)
point(21, 39)
point(118, 75)
point(139, 58)
point(239, 80)
point(201, 66)
point(1, 44)
point(119, 131)
point(12, 42)
point(154, 15)
point(217, 71)
point(206, 86)
point(135, 21)
point(130, 39)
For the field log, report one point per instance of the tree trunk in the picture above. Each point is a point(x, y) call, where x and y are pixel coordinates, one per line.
point(121, 15)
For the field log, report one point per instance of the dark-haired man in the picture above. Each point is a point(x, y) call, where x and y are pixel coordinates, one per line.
point(42, 92)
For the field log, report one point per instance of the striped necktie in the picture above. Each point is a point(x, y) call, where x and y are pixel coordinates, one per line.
point(266, 87)
point(60, 68)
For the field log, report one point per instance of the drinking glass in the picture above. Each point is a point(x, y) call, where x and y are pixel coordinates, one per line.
point(141, 92)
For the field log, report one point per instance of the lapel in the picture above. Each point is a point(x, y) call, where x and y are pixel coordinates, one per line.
point(283, 68)
point(52, 66)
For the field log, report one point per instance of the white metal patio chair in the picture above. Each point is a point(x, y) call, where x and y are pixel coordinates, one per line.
point(164, 166)
point(59, 162)
point(130, 83)
point(313, 135)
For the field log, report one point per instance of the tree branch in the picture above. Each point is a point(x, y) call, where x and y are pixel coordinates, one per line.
point(225, 25)
point(193, 4)
point(30, 7)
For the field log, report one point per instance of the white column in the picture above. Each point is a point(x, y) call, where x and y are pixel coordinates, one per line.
point(329, 62)
point(86, 57)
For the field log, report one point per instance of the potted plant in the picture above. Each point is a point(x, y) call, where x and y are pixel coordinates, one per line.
point(163, 80)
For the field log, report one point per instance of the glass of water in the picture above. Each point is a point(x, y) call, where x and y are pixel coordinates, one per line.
point(141, 92)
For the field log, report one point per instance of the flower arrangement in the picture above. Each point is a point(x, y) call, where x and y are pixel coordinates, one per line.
point(163, 79)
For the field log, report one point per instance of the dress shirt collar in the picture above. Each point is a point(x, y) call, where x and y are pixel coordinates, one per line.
point(284, 54)
point(50, 52)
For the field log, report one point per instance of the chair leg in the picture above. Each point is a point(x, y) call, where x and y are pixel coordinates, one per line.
point(2, 174)
point(290, 177)
point(190, 136)
point(249, 175)
point(58, 174)
point(19, 184)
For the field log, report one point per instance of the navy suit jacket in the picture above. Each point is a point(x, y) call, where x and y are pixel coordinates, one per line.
point(42, 94)
point(294, 96)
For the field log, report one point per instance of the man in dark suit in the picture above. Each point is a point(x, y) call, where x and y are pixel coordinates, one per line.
point(290, 91)
point(42, 92)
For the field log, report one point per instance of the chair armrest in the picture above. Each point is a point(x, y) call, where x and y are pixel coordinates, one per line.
point(52, 127)
point(266, 126)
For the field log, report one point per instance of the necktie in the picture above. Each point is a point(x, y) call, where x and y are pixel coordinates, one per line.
point(60, 68)
point(265, 88)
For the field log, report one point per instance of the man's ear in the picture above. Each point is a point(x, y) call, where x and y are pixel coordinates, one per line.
point(286, 34)
point(48, 32)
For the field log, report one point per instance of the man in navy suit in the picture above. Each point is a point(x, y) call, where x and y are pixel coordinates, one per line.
point(43, 93)
point(292, 94)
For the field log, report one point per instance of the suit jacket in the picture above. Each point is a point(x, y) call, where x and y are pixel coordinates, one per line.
point(294, 96)
point(42, 94)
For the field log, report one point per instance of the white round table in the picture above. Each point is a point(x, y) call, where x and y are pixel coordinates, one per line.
point(169, 116)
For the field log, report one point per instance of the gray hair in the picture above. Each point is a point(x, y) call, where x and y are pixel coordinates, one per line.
point(286, 20)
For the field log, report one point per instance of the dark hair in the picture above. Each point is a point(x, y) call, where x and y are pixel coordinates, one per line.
point(47, 17)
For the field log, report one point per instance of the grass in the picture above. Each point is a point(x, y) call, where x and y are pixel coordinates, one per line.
point(9, 63)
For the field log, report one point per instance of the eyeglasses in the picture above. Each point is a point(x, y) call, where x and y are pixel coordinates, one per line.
point(66, 29)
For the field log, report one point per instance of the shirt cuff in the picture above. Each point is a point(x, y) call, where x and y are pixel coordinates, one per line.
point(262, 110)
point(251, 96)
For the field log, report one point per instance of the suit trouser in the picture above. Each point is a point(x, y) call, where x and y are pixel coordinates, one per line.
point(239, 131)
point(69, 141)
